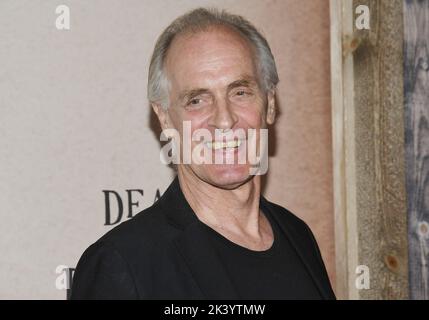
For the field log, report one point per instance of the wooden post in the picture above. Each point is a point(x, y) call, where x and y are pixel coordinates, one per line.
point(368, 142)
point(416, 55)
point(343, 150)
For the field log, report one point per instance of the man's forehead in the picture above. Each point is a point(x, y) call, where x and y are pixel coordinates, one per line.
point(219, 32)
point(202, 61)
point(207, 46)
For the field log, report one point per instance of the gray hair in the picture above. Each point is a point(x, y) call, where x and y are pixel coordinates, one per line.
point(199, 20)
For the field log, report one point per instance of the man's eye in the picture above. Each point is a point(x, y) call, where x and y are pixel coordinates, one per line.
point(241, 93)
point(194, 101)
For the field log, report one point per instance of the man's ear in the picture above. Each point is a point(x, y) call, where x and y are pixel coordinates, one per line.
point(271, 109)
point(162, 115)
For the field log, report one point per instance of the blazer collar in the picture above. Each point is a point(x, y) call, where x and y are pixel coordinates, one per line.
point(176, 207)
point(193, 244)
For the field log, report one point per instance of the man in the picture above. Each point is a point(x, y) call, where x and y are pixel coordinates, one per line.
point(211, 235)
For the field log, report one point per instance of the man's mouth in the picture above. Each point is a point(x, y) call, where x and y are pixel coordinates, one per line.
point(217, 145)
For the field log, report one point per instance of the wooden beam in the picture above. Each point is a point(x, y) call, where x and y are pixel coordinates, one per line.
point(343, 150)
point(368, 131)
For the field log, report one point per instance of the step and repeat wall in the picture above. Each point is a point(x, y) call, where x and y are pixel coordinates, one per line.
point(79, 145)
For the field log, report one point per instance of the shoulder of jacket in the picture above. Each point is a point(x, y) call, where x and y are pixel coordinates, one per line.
point(147, 229)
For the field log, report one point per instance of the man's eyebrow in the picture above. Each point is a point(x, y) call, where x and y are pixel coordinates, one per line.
point(188, 94)
point(243, 82)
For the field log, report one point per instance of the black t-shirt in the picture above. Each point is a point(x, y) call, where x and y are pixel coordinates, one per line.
point(276, 273)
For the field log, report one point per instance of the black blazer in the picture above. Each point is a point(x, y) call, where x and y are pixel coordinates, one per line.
point(162, 253)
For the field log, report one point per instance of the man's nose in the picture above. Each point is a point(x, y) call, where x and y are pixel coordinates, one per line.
point(224, 116)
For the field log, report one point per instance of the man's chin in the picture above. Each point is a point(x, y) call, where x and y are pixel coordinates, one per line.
point(228, 176)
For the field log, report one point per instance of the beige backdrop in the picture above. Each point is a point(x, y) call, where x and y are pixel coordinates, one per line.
point(74, 121)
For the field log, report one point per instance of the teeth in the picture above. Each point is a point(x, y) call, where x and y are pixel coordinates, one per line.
point(222, 145)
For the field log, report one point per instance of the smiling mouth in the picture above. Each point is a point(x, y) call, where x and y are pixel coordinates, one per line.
point(227, 145)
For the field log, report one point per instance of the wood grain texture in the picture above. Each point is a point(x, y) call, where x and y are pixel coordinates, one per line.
point(379, 131)
point(416, 62)
point(371, 217)
point(346, 253)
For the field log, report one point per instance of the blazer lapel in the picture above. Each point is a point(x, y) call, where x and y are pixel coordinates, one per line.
point(194, 246)
point(205, 265)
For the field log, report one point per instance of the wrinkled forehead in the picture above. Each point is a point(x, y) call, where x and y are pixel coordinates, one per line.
point(212, 53)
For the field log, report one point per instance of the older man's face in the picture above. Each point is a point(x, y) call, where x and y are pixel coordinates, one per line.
point(214, 85)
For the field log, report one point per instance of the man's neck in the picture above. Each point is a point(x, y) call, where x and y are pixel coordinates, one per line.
point(236, 210)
